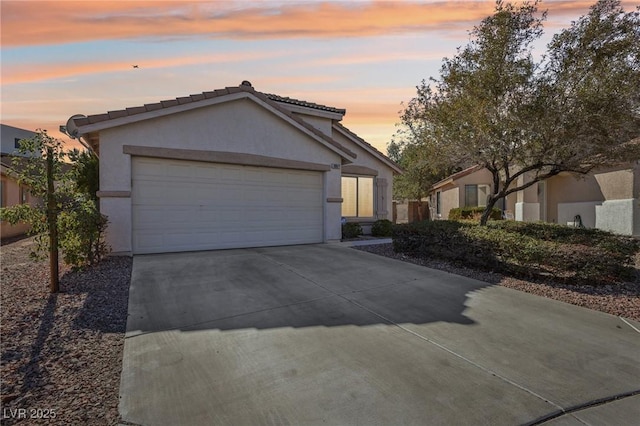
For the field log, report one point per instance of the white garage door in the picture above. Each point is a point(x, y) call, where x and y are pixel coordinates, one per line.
point(186, 205)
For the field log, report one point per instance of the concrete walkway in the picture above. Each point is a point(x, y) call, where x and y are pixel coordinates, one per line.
point(329, 335)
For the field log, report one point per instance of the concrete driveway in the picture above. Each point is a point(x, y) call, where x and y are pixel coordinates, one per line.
point(324, 334)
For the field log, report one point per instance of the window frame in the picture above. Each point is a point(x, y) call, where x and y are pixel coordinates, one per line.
point(479, 202)
point(357, 197)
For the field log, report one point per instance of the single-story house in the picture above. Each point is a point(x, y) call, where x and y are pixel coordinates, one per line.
point(11, 192)
point(232, 168)
point(607, 198)
point(467, 188)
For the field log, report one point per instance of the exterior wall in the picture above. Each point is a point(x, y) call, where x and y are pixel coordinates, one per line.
point(11, 197)
point(9, 134)
point(606, 199)
point(479, 177)
point(449, 199)
point(527, 206)
point(384, 177)
point(320, 123)
point(237, 126)
point(572, 192)
point(453, 193)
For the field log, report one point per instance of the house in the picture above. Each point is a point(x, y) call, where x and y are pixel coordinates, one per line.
point(11, 192)
point(232, 168)
point(467, 188)
point(606, 198)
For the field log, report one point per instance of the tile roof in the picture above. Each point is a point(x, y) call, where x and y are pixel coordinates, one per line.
point(457, 175)
point(271, 100)
point(306, 104)
point(97, 118)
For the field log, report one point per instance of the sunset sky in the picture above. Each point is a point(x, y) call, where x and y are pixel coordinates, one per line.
point(61, 58)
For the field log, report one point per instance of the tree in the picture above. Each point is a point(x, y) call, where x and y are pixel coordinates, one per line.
point(420, 171)
point(525, 121)
point(66, 218)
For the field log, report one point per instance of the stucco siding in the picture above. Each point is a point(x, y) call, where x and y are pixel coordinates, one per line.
point(239, 126)
point(619, 216)
point(449, 199)
point(617, 184)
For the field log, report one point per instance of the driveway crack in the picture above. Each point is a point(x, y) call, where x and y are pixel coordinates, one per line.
point(583, 406)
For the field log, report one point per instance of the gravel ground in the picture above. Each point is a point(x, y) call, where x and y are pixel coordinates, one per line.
point(61, 353)
point(620, 300)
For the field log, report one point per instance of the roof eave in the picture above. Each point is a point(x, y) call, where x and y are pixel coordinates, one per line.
point(367, 147)
point(95, 128)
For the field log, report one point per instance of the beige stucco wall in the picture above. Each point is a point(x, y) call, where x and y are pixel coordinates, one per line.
point(11, 197)
point(619, 184)
point(479, 177)
point(236, 126)
point(321, 123)
point(449, 199)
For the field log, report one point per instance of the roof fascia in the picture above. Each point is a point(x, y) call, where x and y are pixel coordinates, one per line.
point(298, 109)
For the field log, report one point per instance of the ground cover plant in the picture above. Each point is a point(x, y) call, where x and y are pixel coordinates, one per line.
point(569, 255)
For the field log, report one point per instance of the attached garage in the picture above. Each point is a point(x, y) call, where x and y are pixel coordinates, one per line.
point(230, 168)
point(188, 205)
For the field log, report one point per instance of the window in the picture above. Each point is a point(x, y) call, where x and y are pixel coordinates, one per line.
point(16, 143)
point(439, 203)
point(357, 196)
point(476, 195)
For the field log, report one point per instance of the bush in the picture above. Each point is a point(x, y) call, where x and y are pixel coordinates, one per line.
point(82, 227)
point(528, 253)
point(569, 235)
point(351, 230)
point(382, 228)
point(473, 213)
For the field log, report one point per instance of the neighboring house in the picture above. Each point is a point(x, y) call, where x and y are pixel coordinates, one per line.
point(11, 192)
point(606, 199)
point(232, 168)
point(467, 188)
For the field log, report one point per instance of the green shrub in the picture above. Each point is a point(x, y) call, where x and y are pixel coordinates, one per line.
point(569, 235)
point(82, 227)
point(473, 213)
point(527, 253)
point(382, 228)
point(351, 230)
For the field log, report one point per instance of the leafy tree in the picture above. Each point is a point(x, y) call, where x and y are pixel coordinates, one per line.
point(66, 218)
point(420, 171)
point(525, 121)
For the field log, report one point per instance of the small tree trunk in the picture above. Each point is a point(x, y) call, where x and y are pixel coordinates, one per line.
point(487, 211)
point(52, 221)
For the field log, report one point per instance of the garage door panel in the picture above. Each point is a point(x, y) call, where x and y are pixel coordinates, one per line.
point(182, 206)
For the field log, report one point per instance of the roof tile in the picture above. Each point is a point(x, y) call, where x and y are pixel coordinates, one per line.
point(153, 107)
point(98, 118)
point(169, 103)
point(117, 114)
point(136, 110)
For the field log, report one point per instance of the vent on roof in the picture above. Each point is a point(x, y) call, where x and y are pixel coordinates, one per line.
point(246, 83)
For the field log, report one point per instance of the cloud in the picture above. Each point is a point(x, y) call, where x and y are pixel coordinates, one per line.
point(41, 23)
point(29, 73)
